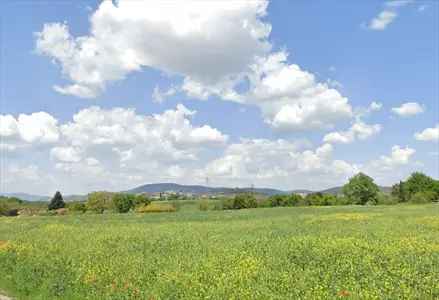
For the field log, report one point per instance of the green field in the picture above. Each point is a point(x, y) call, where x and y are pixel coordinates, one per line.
point(384, 252)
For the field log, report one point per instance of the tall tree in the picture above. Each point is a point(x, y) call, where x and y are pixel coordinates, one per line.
point(56, 202)
point(361, 189)
point(419, 182)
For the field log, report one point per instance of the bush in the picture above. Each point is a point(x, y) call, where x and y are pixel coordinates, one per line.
point(244, 200)
point(77, 207)
point(330, 199)
point(228, 203)
point(123, 202)
point(203, 205)
point(155, 207)
point(284, 200)
point(386, 199)
point(423, 197)
point(142, 200)
point(315, 199)
point(218, 204)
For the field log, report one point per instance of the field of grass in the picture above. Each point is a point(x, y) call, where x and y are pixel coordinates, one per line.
point(385, 252)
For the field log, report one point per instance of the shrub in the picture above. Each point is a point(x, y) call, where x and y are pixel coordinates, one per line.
point(244, 200)
point(386, 199)
point(142, 199)
point(228, 203)
point(155, 207)
point(423, 197)
point(78, 207)
point(203, 205)
point(56, 202)
point(284, 200)
point(315, 199)
point(123, 202)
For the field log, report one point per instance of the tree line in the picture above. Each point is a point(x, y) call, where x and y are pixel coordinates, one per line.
point(359, 190)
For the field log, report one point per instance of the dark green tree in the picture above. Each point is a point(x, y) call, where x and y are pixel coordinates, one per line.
point(123, 202)
point(56, 202)
point(361, 190)
point(244, 200)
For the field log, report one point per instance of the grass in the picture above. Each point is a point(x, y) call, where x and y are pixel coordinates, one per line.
point(385, 252)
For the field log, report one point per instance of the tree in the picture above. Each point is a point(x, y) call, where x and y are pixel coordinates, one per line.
point(123, 202)
point(99, 201)
point(56, 202)
point(399, 192)
point(419, 182)
point(361, 190)
point(244, 200)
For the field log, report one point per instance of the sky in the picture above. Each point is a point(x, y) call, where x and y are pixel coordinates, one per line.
point(109, 95)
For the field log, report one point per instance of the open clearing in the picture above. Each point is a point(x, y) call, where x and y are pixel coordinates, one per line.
point(329, 252)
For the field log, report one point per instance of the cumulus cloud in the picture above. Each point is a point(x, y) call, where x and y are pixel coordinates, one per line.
point(214, 46)
point(428, 134)
point(359, 130)
point(66, 154)
point(408, 109)
point(118, 144)
point(277, 163)
point(36, 128)
point(289, 97)
point(189, 38)
point(169, 135)
point(398, 157)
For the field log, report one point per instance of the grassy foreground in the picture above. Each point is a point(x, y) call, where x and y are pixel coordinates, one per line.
point(315, 253)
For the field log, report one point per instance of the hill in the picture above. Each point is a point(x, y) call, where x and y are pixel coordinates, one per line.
point(26, 197)
point(198, 189)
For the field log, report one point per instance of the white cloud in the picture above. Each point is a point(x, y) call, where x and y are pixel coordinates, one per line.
point(136, 141)
point(213, 46)
point(36, 128)
point(375, 106)
point(203, 41)
point(408, 109)
point(383, 19)
point(359, 130)
point(399, 156)
point(428, 134)
point(291, 98)
point(387, 15)
point(66, 154)
point(277, 163)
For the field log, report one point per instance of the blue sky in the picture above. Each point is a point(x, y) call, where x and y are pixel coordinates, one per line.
point(264, 134)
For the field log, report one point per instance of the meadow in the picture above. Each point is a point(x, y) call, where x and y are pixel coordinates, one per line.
point(367, 252)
